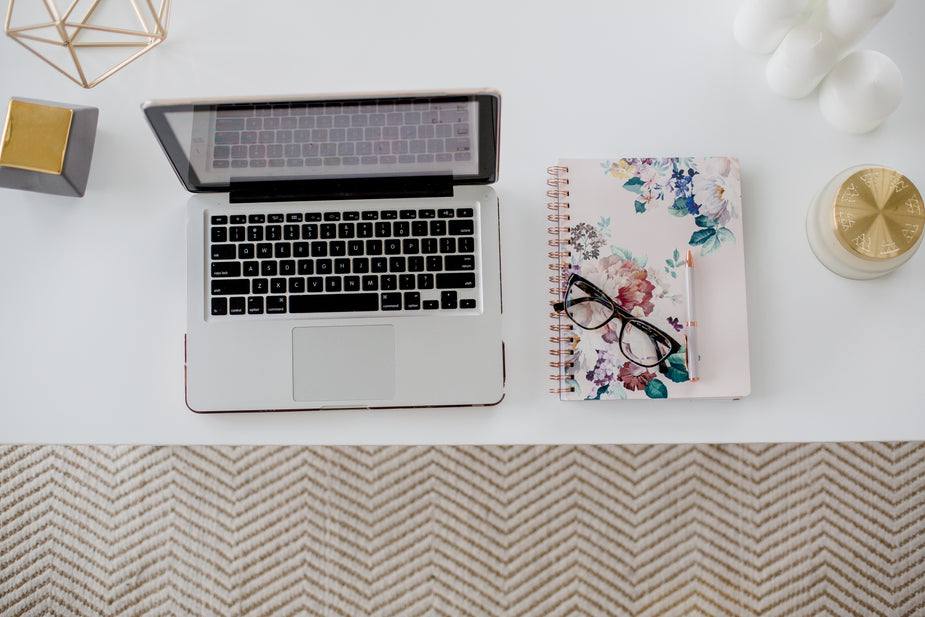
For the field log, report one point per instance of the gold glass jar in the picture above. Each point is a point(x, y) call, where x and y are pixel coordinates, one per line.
point(866, 222)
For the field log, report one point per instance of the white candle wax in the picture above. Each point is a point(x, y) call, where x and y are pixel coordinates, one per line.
point(760, 25)
point(861, 91)
point(800, 62)
point(850, 20)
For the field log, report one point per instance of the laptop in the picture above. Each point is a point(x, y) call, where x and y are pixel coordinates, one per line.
point(343, 251)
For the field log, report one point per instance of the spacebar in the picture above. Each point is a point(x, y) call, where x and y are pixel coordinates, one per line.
point(333, 303)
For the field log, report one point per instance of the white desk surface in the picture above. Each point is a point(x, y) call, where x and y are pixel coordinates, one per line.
point(92, 290)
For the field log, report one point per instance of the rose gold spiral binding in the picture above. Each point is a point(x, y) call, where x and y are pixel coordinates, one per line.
point(559, 255)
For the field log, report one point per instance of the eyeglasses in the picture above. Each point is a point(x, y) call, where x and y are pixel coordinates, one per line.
point(591, 308)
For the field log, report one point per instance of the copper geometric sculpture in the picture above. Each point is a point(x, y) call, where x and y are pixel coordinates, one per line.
point(89, 37)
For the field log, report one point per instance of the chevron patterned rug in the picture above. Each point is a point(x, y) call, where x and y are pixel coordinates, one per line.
point(739, 530)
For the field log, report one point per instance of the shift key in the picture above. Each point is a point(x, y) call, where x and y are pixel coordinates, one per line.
point(230, 287)
point(456, 280)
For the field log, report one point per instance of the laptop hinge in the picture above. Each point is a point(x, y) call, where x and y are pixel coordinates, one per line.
point(341, 188)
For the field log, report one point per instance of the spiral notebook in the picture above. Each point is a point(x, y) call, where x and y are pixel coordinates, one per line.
point(626, 226)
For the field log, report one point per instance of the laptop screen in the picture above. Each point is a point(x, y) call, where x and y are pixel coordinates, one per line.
point(216, 145)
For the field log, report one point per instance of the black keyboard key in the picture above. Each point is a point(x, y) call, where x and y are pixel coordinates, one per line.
point(434, 263)
point(275, 218)
point(346, 230)
point(456, 280)
point(370, 283)
point(468, 303)
point(219, 234)
point(427, 214)
point(309, 231)
point(328, 231)
point(462, 227)
point(237, 234)
point(254, 234)
point(277, 286)
point(464, 213)
point(342, 266)
point(274, 233)
point(264, 250)
point(294, 217)
point(220, 306)
point(388, 282)
point(415, 263)
point(276, 304)
point(255, 305)
point(364, 230)
point(407, 214)
point(459, 262)
point(287, 267)
point(428, 245)
point(401, 229)
point(351, 283)
point(300, 249)
point(251, 268)
point(238, 219)
point(438, 228)
point(355, 247)
point(430, 305)
point(334, 303)
point(324, 267)
point(419, 228)
point(412, 300)
point(378, 264)
point(332, 216)
point(370, 215)
point(391, 302)
point(465, 244)
point(374, 247)
point(425, 281)
point(447, 245)
point(291, 232)
point(313, 216)
point(332, 284)
point(410, 246)
point(230, 287)
point(314, 284)
point(351, 216)
point(282, 250)
point(237, 306)
point(383, 229)
point(319, 249)
point(260, 286)
point(268, 268)
point(448, 300)
point(396, 264)
point(246, 251)
point(223, 251)
point(296, 285)
point(337, 248)
point(406, 281)
point(305, 267)
point(226, 269)
point(389, 214)
point(256, 219)
point(219, 220)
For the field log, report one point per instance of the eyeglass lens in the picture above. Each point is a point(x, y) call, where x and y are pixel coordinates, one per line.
point(585, 310)
point(640, 347)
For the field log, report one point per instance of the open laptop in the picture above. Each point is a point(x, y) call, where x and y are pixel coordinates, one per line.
point(343, 251)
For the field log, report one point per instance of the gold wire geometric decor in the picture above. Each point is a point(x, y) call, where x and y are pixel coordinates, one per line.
point(88, 37)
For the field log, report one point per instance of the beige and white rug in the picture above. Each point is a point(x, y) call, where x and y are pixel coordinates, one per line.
point(803, 529)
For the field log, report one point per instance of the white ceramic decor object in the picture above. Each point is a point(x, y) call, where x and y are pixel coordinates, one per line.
point(850, 20)
point(861, 91)
point(800, 62)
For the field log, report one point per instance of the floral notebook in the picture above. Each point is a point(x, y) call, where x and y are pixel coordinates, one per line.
point(625, 226)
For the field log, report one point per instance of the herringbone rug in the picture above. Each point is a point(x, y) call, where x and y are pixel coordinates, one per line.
point(810, 529)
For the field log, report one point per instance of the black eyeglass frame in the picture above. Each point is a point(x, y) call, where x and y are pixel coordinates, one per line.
point(596, 294)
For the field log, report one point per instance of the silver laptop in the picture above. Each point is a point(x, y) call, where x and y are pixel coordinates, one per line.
point(343, 251)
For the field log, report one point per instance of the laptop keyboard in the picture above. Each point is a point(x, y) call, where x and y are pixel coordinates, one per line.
point(325, 135)
point(330, 262)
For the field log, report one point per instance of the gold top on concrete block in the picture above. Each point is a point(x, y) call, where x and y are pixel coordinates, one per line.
point(878, 214)
point(35, 137)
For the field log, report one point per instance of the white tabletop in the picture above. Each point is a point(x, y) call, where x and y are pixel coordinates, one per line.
point(92, 305)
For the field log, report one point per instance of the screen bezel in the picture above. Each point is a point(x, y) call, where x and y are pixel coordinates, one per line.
point(488, 104)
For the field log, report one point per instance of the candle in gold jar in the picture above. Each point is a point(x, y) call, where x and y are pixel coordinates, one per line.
point(866, 222)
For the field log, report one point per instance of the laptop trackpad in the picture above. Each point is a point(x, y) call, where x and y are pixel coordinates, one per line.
point(337, 363)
